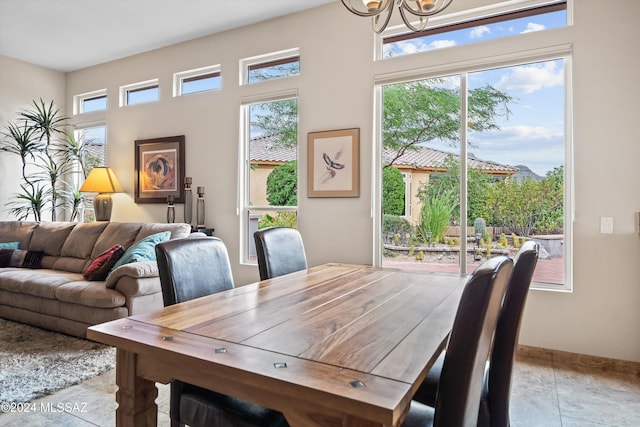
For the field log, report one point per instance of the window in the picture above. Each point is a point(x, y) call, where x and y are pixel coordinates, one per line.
point(138, 93)
point(91, 143)
point(269, 67)
point(497, 24)
point(270, 178)
point(90, 102)
point(198, 80)
point(490, 168)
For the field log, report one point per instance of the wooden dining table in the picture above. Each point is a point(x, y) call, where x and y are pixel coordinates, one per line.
point(333, 345)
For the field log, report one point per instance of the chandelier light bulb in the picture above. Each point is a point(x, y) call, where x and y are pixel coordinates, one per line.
point(372, 5)
point(428, 4)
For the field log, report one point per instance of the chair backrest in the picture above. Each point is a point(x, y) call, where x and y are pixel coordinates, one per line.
point(280, 251)
point(192, 268)
point(460, 385)
point(507, 331)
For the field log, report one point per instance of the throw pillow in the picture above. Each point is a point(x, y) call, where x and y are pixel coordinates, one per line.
point(9, 245)
point(102, 265)
point(143, 250)
point(20, 258)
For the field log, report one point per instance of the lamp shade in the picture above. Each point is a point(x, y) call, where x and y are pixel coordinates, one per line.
point(101, 180)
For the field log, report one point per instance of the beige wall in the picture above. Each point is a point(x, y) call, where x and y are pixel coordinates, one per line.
point(600, 317)
point(20, 84)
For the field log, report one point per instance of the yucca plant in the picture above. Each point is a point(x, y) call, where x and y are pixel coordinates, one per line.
point(45, 121)
point(28, 202)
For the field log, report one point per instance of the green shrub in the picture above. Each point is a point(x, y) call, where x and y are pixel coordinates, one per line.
point(397, 225)
point(435, 216)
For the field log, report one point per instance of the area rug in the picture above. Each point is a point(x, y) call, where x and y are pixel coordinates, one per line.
point(35, 362)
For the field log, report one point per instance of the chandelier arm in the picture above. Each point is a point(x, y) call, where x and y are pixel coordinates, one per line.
point(405, 5)
point(386, 4)
point(374, 21)
point(423, 21)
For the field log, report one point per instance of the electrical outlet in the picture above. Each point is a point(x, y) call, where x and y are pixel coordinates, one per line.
point(606, 225)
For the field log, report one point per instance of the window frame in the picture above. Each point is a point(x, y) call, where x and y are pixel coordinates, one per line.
point(244, 208)
point(268, 60)
point(138, 87)
point(563, 52)
point(500, 12)
point(80, 99)
point(196, 74)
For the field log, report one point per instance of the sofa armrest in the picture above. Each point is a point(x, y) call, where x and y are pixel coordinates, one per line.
point(136, 270)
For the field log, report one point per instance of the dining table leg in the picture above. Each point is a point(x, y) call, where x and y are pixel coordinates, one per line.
point(136, 396)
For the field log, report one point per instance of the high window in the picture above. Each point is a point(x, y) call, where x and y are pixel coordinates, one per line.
point(90, 102)
point(269, 189)
point(494, 22)
point(199, 80)
point(271, 66)
point(139, 93)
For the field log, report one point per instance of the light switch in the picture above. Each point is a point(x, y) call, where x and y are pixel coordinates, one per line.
point(606, 225)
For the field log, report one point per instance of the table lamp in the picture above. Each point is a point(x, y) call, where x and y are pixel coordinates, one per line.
point(101, 180)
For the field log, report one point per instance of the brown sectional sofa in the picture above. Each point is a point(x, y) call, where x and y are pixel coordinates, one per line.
point(56, 296)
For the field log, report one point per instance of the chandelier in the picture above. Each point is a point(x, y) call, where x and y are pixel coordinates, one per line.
point(380, 11)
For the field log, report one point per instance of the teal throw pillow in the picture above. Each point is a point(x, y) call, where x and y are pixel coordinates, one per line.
point(143, 250)
point(9, 245)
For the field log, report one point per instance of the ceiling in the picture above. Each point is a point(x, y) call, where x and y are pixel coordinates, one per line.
point(67, 35)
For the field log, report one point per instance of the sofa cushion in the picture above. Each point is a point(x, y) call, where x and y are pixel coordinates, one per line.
point(49, 237)
point(116, 233)
point(100, 267)
point(91, 294)
point(20, 258)
point(143, 250)
point(39, 283)
point(17, 231)
point(9, 245)
point(178, 230)
point(82, 239)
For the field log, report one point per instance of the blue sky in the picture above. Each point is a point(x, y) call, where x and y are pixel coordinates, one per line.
point(533, 135)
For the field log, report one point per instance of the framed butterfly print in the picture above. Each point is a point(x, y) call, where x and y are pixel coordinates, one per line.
point(159, 169)
point(334, 163)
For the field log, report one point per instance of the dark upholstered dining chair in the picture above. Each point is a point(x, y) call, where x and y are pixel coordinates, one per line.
point(192, 268)
point(494, 403)
point(280, 251)
point(460, 386)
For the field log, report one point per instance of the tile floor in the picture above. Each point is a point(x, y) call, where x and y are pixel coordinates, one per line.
point(545, 393)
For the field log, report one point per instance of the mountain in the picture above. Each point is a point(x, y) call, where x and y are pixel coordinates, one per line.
point(524, 172)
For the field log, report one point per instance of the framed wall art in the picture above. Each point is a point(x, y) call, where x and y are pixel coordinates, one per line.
point(159, 169)
point(334, 163)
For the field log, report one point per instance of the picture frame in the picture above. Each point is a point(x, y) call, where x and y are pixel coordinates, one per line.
point(159, 169)
point(334, 163)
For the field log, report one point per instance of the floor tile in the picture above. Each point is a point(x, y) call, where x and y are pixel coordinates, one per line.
point(534, 400)
point(598, 396)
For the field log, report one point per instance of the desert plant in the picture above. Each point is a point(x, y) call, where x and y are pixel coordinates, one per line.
point(435, 216)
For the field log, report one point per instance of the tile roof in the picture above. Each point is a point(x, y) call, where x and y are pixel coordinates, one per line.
point(266, 149)
point(428, 158)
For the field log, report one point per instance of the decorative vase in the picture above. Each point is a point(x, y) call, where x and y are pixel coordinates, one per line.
point(188, 200)
point(171, 210)
point(200, 208)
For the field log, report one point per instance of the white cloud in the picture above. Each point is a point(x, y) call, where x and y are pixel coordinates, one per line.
point(532, 27)
point(530, 78)
point(478, 32)
point(438, 44)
